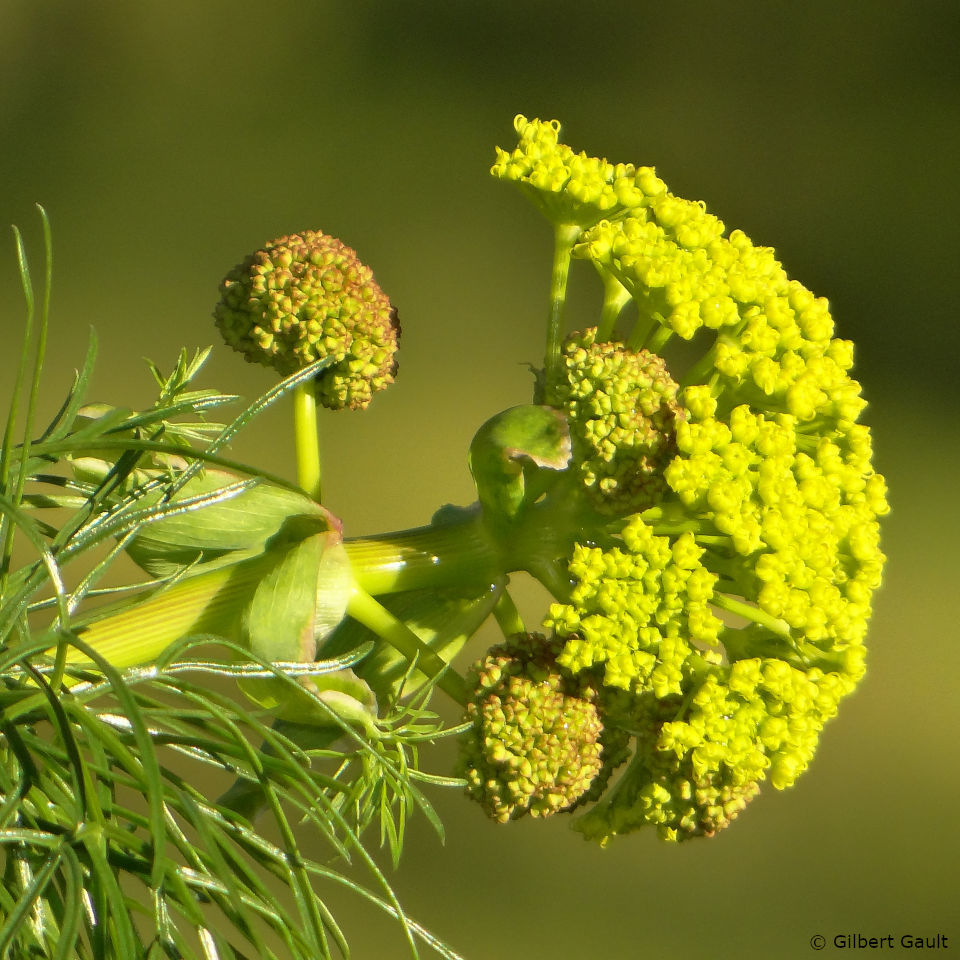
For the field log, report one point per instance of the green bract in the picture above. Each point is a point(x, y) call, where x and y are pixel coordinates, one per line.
point(305, 297)
point(513, 455)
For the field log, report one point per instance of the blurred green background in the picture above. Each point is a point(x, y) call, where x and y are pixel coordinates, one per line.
point(167, 140)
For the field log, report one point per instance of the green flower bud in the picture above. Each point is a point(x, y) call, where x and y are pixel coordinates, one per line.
point(306, 297)
point(537, 742)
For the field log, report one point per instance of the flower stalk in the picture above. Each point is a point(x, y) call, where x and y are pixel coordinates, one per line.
point(564, 237)
point(307, 442)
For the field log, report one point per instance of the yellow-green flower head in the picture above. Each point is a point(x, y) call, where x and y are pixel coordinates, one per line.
point(728, 597)
point(766, 522)
point(622, 409)
point(701, 759)
point(773, 339)
point(639, 611)
point(306, 297)
point(536, 744)
point(572, 188)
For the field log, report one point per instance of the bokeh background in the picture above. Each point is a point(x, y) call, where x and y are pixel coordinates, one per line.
point(167, 140)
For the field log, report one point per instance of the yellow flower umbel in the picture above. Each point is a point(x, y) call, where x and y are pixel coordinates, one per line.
point(725, 549)
point(569, 187)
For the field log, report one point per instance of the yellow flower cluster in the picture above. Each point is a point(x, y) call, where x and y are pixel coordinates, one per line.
point(774, 342)
point(641, 610)
point(748, 490)
point(797, 519)
point(572, 188)
point(695, 768)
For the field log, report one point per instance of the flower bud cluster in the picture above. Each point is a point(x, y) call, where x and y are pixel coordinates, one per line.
point(572, 188)
point(699, 761)
point(306, 297)
point(640, 611)
point(774, 345)
point(799, 513)
point(622, 409)
point(537, 743)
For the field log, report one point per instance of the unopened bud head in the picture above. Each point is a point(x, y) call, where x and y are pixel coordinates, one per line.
point(305, 297)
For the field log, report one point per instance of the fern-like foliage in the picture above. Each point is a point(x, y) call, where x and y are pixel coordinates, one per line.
point(109, 848)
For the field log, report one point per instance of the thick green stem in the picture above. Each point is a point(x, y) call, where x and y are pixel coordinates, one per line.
point(565, 236)
point(307, 440)
point(459, 553)
point(651, 333)
point(658, 339)
point(364, 609)
point(136, 630)
point(647, 321)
